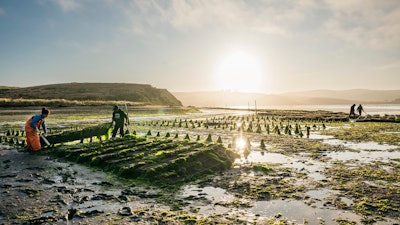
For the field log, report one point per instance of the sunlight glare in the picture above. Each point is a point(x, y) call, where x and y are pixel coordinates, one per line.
point(240, 143)
point(240, 71)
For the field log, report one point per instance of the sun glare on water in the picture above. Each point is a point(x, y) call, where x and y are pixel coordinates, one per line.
point(240, 144)
point(240, 71)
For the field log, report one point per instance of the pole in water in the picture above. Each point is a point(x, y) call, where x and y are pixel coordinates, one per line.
point(127, 115)
point(45, 140)
point(255, 106)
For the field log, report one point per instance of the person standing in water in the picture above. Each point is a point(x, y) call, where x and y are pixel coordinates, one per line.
point(32, 127)
point(352, 111)
point(360, 109)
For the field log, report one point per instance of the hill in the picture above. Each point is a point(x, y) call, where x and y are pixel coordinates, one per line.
point(7, 87)
point(358, 95)
point(143, 94)
point(316, 97)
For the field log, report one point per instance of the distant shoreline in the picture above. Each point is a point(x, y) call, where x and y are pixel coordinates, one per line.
point(371, 109)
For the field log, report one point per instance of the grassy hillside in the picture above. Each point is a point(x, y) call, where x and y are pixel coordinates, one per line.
point(141, 94)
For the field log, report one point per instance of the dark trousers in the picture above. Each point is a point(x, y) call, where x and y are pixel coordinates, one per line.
point(119, 126)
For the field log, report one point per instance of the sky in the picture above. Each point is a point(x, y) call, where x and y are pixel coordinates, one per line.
point(265, 46)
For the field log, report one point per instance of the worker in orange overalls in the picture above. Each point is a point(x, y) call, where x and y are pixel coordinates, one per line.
point(32, 130)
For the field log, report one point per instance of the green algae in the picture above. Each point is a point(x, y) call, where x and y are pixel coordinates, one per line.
point(380, 132)
point(163, 161)
point(372, 187)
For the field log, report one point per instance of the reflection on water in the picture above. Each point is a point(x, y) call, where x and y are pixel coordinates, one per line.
point(321, 194)
point(311, 166)
point(205, 199)
point(364, 156)
point(214, 194)
point(366, 151)
point(299, 212)
point(267, 157)
point(361, 145)
point(4, 146)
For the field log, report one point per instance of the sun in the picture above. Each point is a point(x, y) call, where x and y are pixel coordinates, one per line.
point(240, 71)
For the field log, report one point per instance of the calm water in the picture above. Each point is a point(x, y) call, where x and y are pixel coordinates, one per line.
point(372, 109)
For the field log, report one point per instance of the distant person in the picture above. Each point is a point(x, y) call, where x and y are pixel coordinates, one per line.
point(352, 111)
point(118, 118)
point(32, 127)
point(360, 109)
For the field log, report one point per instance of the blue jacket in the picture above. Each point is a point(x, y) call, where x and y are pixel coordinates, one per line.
point(35, 119)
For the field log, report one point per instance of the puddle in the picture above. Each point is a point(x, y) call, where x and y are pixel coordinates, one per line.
point(107, 206)
point(320, 136)
point(299, 212)
point(214, 194)
point(266, 157)
point(367, 151)
point(206, 200)
point(364, 156)
point(321, 194)
point(362, 145)
point(303, 164)
point(5, 147)
point(329, 139)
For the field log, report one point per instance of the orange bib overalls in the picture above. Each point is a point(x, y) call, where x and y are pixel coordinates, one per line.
point(32, 137)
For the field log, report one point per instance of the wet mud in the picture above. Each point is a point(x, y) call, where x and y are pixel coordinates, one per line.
point(343, 173)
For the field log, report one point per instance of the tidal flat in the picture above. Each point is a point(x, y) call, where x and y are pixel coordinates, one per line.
point(289, 167)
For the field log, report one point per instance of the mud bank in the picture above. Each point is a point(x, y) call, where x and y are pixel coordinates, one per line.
point(37, 189)
point(285, 178)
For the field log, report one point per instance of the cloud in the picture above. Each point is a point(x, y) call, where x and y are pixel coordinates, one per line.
point(67, 5)
point(225, 15)
point(2, 12)
point(390, 66)
point(363, 23)
point(198, 14)
point(368, 23)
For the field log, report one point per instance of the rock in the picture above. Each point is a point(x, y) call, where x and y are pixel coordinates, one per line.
point(59, 199)
point(92, 213)
point(102, 196)
point(123, 198)
point(125, 211)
